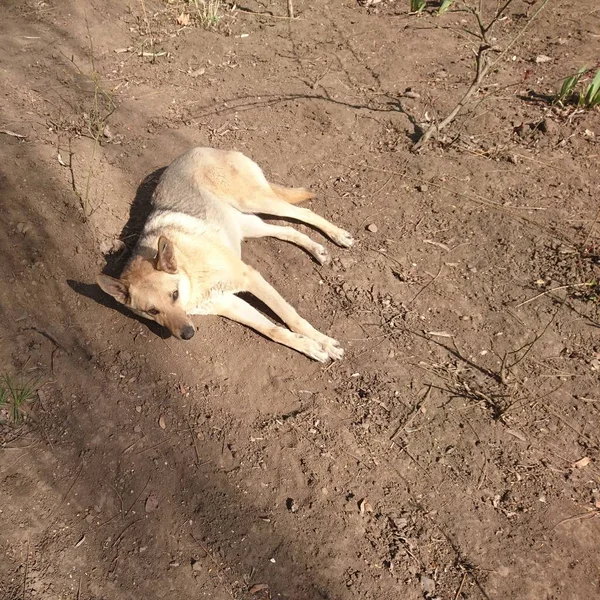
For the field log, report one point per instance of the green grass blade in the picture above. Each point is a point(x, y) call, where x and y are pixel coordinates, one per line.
point(592, 92)
point(416, 6)
point(569, 85)
point(446, 4)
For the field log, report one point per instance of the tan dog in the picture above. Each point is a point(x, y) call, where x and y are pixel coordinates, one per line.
point(188, 258)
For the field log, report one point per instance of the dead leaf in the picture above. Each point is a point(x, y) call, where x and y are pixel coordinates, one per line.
point(258, 587)
point(197, 72)
point(516, 434)
point(183, 19)
point(582, 462)
point(151, 503)
point(364, 506)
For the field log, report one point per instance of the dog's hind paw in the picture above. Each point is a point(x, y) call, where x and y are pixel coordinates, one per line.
point(343, 238)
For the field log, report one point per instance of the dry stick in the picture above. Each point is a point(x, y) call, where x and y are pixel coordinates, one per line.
point(413, 414)
point(218, 570)
point(138, 497)
point(505, 369)
point(119, 537)
point(13, 134)
point(581, 517)
point(591, 231)
point(460, 587)
point(290, 9)
point(560, 287)
point(482, 69)
point(26, 568)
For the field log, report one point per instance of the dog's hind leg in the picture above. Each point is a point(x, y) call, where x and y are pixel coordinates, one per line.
point(271, 199)
point(234, 308)
point(254, 227)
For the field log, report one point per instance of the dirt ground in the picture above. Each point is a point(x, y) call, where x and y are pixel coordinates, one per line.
point(454, 452)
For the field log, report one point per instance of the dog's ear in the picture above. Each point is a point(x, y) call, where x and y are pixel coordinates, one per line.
point(116, 288)
point(165, 260)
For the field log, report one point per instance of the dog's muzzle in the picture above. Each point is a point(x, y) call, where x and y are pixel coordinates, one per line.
point(187, 333)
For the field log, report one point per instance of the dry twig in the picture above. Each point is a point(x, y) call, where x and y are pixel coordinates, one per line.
point(482, 64)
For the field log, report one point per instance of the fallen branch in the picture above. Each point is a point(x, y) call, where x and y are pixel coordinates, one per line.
point(482, 64)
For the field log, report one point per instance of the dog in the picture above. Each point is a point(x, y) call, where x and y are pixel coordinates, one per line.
point(187, 260)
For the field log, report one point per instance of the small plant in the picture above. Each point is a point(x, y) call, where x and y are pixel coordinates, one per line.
point(591, 97)
point(587, 98)
point(445, 6)
point(208, 12)
point(416, 6)
point(568, 87)
point(14, 394)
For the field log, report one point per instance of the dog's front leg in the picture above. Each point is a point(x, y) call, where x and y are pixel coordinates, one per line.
point(265, 292)
point(234, 308)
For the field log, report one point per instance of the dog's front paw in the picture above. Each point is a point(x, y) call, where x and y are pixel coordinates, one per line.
point(311, 348)
point(343, 238)
point(320, 253)
point(333, 348)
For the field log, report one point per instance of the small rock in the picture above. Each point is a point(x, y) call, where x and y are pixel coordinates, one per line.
point(162, 423)
point(422, 187)
point(542, 58)
point(151, 503)
point(107, 133)
point(138, 409)
point(23, 227)
point(137, 429)
point(291, 505)
point(546, 126)
point(372, 228)
point(427, 584)
point(196, 565)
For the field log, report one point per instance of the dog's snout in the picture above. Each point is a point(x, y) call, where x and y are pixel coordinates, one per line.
point(187, 333)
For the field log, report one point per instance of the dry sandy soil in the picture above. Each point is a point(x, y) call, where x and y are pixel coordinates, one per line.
point(454, 452)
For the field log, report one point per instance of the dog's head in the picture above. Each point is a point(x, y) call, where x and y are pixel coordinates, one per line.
point(155, 290)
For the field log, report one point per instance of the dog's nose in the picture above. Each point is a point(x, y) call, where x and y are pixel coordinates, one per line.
point(187, 333)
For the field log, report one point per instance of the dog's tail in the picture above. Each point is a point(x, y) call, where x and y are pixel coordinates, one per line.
point(291, 195)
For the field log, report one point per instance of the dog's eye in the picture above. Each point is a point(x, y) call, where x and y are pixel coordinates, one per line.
point(153, 312)
point(175, 295)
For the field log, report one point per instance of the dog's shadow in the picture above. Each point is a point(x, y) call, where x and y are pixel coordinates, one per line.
point(138, 215)
point(115, 260)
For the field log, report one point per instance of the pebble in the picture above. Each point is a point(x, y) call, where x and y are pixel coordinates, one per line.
point(23, 227)
point(423, 187)
point(372, 228)
point(151, 504)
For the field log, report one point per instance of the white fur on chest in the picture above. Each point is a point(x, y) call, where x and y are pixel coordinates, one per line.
point(209, 306)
